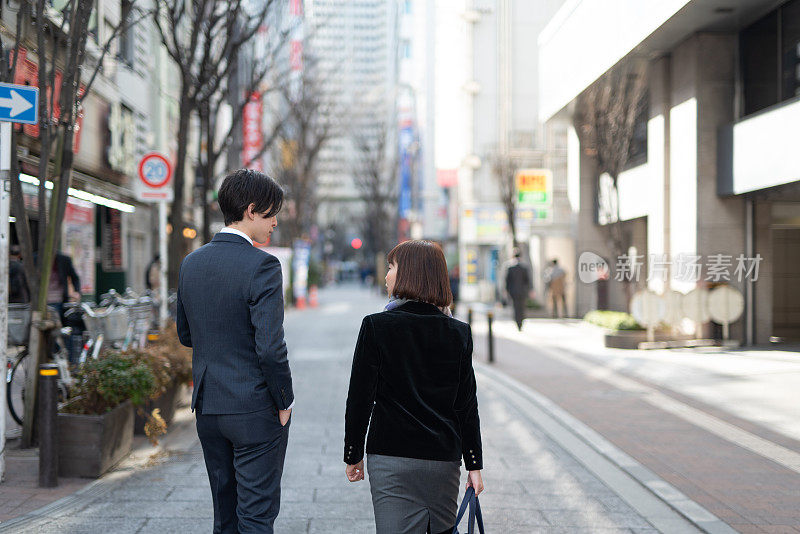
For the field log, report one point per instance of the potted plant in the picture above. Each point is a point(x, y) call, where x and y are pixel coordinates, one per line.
point(171, 364)
point(624, 331)
point(95, 428)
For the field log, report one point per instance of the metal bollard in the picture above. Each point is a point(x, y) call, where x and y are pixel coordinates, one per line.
point(48, 425)
point(469, 316)
point(490, 318)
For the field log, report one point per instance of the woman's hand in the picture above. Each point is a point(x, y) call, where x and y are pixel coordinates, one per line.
point(475, 481)
point(356, 472)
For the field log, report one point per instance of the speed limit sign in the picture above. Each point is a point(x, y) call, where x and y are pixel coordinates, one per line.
point(155, 174)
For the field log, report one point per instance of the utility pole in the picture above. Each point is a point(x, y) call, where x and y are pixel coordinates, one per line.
point(5, 213)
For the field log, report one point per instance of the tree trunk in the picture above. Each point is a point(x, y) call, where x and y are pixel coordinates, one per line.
point(22, 226)
point(176, 213)
point(208, 166)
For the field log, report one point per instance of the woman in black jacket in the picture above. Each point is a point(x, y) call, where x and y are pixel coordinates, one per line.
point(412, 382)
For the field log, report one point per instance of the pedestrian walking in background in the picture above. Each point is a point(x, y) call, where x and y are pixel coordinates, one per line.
point(152, 274)
point(230, 311)
point(554, 281)
point(518, 287)
point(413, 384)
point(455, 282)
point(18, 291)
point(64, 285)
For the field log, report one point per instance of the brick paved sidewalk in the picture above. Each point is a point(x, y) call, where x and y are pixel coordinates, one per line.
point(533, 485)
point(743, 488)
point(20, 492)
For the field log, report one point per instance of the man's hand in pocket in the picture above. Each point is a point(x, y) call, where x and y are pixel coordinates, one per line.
point(284, 415)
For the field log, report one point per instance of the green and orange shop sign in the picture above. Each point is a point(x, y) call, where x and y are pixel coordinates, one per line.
point(534, 187)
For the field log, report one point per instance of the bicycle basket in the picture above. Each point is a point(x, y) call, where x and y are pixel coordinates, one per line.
point(115, 324)
point(19, 324)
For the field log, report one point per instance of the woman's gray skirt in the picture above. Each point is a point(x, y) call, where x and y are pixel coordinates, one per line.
point(409, 494)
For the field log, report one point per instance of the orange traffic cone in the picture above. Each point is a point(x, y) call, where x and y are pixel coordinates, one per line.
point(312, 297)
point(300, 303)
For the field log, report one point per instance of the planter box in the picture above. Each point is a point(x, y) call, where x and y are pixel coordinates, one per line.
point(90, 445)
point(630, 339)
point(166, 402)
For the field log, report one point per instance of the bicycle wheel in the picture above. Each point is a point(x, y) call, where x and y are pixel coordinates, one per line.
point(15, 388)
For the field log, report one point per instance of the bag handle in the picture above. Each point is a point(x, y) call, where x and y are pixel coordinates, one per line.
point(471, 501)
point(479, 515)
point(463, 508)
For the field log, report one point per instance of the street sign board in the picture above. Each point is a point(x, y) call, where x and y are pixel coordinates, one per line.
point(648, 308)
point(534, 187)
point(695, 305)
point(19, 103)
point(725, 304)
point(155, 175)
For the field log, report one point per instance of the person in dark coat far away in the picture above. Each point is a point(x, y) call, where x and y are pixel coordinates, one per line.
point(518, 286)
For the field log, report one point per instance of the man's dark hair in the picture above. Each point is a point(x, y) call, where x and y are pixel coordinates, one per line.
point(247, 186)
point(421, 273)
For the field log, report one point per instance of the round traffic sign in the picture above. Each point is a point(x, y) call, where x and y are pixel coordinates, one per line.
point(695, 305)
point(648, 308)
point(155, 170)
point(674, 300)
point(725, 304)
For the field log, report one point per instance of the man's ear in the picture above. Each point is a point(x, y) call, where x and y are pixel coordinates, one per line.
point(249, 213)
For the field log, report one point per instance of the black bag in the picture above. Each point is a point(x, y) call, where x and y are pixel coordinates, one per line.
point(471, 500)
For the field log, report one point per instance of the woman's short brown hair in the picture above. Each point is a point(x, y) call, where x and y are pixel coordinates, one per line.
point(421, 273)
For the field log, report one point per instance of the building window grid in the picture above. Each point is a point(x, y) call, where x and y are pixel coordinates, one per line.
point(770, 59)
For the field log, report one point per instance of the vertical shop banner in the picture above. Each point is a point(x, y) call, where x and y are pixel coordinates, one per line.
point(78, 241)
point(302, 256)
point(112, 246)
point(472, 265)
point(252, 137)
point(405, 206)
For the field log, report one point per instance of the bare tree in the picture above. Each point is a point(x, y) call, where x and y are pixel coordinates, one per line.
point(235, 92)
point(60, 37)
point(375, 176)
point(605, 120)
point(203, 38)
point(307, 126)
point(504, 170)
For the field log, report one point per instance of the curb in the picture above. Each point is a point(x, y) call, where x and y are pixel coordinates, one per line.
point(657, 501)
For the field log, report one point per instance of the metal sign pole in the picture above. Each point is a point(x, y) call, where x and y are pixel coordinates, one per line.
point(5, 212)
point(162, 271)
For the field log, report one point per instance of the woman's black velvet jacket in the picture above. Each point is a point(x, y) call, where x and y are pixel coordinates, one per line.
point(412, 372)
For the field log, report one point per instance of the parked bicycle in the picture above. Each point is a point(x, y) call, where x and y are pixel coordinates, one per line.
point(120, 321)
point(17, 368)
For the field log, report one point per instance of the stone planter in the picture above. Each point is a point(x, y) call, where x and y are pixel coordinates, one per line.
point(90, 445)
point(630, 339)
point(166, 402)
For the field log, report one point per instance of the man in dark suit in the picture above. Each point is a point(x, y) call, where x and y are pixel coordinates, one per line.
point(230, 311)
point(518, 285)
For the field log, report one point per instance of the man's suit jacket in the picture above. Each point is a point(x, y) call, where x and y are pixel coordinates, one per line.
point(230, 311)
point(518, 280)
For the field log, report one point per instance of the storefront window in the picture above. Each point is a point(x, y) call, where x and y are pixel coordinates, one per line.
point(770, 52)
point(637, 152)
point(790, 49)
point(759, 44)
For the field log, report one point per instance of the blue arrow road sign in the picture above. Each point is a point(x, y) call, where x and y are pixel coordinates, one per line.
point(19, 103)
